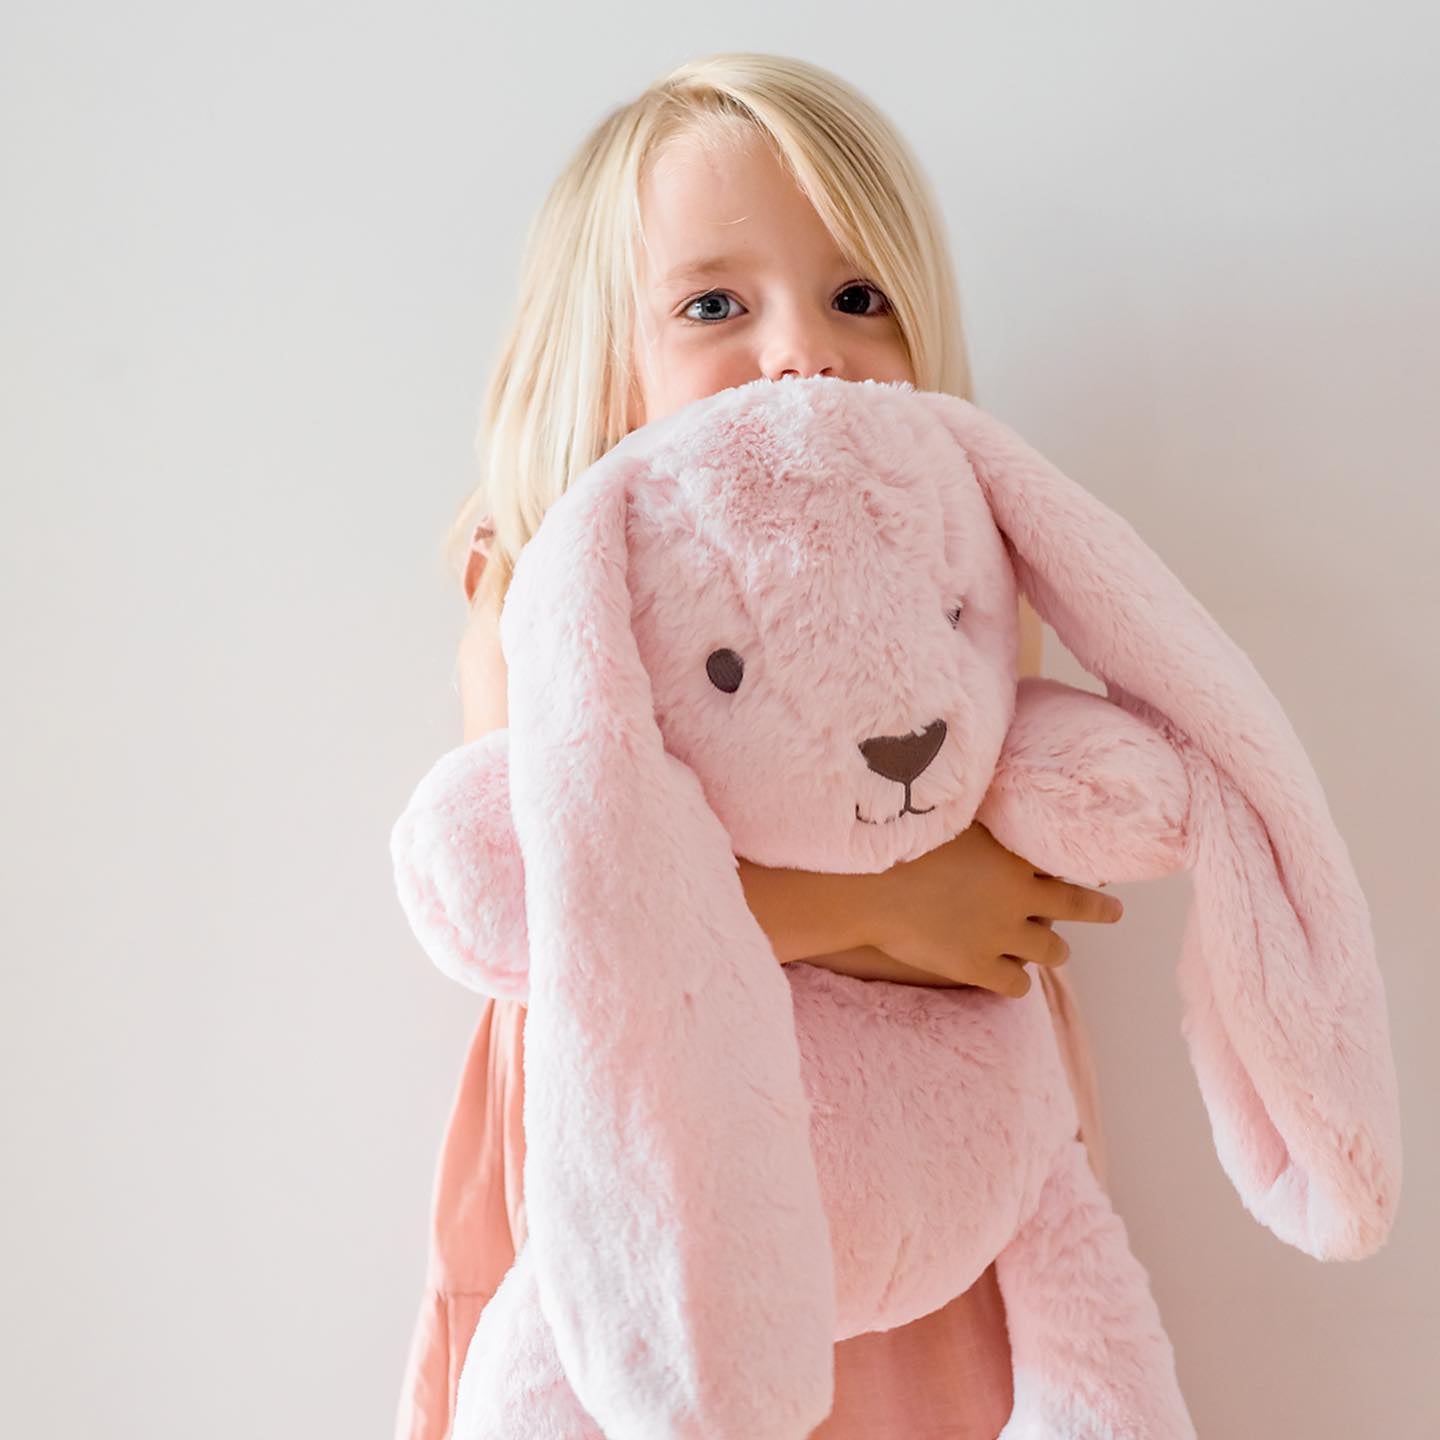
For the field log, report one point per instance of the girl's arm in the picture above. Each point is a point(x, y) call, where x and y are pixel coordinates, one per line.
point(821, 919)
point(968, 912)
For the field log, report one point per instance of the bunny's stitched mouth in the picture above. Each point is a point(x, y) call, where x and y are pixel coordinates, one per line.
point(906, 809)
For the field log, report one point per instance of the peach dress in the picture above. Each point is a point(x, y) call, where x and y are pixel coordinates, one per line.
point(946, 1376)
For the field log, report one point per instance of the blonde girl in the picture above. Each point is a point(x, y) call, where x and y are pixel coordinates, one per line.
point(746, 216)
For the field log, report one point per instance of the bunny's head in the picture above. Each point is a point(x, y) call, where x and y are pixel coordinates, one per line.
point(826, 616)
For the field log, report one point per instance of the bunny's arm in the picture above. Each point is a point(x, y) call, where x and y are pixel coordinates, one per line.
point(458, 870)
point(1087, 790)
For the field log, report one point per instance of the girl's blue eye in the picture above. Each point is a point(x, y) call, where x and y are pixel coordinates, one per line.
point(703, 299)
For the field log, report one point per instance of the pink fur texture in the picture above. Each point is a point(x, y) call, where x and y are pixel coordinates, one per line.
point(780, 623)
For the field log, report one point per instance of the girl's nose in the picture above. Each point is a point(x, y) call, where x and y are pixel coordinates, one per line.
point(795, 347)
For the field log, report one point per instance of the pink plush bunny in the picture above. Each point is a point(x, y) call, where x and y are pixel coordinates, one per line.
point(780, 623)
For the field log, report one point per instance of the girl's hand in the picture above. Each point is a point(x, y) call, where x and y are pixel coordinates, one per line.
point(976, 913)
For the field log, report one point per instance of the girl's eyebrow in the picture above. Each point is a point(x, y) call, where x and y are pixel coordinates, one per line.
point(699, 269)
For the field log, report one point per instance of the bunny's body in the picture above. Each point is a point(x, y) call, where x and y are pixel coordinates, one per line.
point(938, 1116)
point(781, 624)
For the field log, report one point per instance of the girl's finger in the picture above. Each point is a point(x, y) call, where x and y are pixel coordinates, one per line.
point(1064, 901)
point(1038, 943)
point(1013, 978)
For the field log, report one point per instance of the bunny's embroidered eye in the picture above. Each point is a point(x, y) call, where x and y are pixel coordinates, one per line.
point(725, 669)
point(953, 613)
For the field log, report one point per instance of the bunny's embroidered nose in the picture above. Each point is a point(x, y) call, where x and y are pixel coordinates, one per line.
point(902, 757)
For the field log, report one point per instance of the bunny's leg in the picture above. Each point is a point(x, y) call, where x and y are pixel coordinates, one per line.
point(512, 1386)
point(1092, 1361)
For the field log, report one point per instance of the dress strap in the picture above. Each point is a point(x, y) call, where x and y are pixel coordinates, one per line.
point(483, 534)
point(1074, 1041)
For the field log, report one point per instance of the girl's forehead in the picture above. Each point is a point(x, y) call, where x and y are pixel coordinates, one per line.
point(693, 188)
point(715, 145)
point(704, 207)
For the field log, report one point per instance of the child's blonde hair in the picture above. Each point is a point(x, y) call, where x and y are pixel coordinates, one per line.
point(557, 400)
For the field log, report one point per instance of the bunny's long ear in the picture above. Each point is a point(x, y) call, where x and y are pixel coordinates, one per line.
point(1285, 1014)
point(682, 1250)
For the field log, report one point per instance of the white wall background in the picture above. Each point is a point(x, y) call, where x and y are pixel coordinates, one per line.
point(256, 260)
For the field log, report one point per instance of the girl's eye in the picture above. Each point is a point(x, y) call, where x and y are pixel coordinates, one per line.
point(954, 612)
point(708, 298)
point(859, 288)
point(854, 299)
